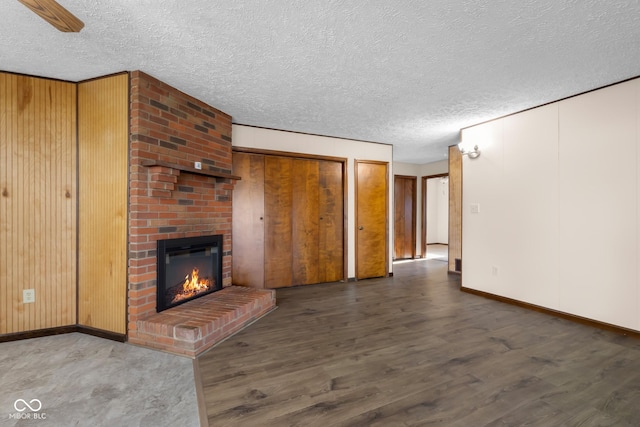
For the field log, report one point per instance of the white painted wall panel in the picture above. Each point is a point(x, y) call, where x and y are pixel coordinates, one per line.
point(529, 268)
point(433, 219)
point(483, 240)
point(558, 189)
point(598, 200)
point(438, 210)
point(442, 196)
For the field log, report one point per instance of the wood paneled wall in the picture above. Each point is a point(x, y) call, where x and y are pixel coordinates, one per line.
point(455, 206)
point(102, 227)
point(37, 202)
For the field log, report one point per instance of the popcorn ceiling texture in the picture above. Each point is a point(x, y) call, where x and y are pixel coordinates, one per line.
point(408, 73)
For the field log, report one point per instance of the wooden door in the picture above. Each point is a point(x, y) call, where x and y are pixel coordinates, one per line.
point(331, 228)
point(404, 230)
point(306, 217)
point(278, 208)
point(371, 219)
point(248, 220)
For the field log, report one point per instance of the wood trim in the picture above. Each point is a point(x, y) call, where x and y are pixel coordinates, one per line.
point(114, 336)
point(107, 76)
point(128, 224)
point(552, 102)
point(414, 203)
point(36, 77)
point(295, 155)
point(221, 175)
point(355, 216)
point(345, 221)
point(202, 403)
point(39, 333)
point(314, 134)
point(423, 216)
point(561, 314)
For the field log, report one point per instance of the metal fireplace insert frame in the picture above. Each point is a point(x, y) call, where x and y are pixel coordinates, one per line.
point(167, 247)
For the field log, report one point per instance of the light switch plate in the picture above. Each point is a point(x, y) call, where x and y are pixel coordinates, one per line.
point(28, 296)
point(475, 208)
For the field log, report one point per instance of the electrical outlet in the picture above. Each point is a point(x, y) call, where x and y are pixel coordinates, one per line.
point(494, 271)
point(198, 165)
point(475, 208)
point(28, 296)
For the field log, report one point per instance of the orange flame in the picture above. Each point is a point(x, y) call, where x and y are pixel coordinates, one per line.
point(193, 285)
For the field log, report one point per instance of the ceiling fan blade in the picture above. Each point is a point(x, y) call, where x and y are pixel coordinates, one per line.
point(54, 14)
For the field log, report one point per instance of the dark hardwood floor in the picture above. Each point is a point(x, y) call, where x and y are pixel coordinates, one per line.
point(414, 350)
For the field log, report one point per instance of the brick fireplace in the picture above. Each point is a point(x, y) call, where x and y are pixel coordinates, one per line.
point(170, 199)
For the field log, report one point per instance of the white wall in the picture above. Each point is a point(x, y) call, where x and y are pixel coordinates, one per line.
point(420, 170)
point(433, 219)
point(558, 190)
point(434, 168)
point(269, 139)
point(438, 210)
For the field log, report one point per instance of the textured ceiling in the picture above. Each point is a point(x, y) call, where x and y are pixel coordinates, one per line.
point(407, 73)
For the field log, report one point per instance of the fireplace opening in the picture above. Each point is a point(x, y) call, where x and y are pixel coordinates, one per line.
point(188, 268)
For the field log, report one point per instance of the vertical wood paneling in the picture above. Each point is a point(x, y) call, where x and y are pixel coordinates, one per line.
point(305, 218)
point(102, 226)
point(455, 206)
point(288, 218)
point(331, 252)
point(37, 202)
point(278, 201)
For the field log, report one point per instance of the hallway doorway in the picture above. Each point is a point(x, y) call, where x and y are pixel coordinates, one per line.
point(435, 217)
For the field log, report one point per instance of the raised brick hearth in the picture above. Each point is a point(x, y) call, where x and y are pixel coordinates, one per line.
point(169, 131)
point(195, 326)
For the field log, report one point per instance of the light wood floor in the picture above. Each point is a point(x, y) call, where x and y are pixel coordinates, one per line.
point(414, 350)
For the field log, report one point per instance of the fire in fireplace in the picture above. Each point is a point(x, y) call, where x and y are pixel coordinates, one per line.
point(188, 268)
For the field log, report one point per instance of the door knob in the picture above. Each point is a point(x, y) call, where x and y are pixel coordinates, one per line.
point(361, 228)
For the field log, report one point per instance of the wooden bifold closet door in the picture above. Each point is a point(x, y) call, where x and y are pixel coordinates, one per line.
point(291, 233)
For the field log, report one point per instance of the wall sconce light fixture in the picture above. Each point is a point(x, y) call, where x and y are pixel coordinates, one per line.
point(473, 154)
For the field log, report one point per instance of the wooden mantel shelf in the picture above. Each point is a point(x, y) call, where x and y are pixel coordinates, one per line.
point(221, 175)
